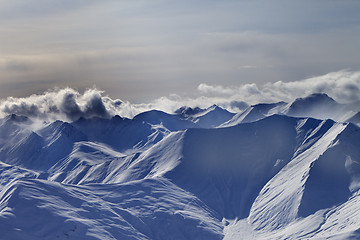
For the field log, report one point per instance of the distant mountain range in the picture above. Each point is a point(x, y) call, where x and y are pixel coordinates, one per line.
point(273, 171)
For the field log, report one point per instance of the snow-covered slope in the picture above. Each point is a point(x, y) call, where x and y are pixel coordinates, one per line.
point(147, 209)
point(164, 176)
point(319, 106)
point(255, 112)
point(355, 119)
point(315, 196)
point(205, 118)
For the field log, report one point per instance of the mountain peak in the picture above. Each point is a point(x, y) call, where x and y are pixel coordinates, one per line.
point(17, 118)
point(213, 106)
point(204, 173)
point(316, 98)
point(187, 111)
point(317, 105)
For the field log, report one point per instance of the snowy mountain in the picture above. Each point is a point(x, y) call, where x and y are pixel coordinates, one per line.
point(319, 106)
point(355, 118)
point(270, 172)
point(205, 118)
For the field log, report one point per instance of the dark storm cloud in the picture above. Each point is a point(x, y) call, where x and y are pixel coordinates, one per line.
point(95, 105)
point(21, 108)
point(69, 106)
point(66, 104)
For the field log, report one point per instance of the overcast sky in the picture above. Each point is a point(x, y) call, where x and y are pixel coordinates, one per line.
point(140, 50)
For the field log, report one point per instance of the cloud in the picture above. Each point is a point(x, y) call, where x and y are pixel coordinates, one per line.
point(126, 47)
point(343, 86)
point(64, 104)
point(246, 66)
point(213, 89)
point(240, 105)
point(68, 104)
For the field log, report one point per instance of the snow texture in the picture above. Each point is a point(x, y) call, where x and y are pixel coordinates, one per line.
point(273, 171)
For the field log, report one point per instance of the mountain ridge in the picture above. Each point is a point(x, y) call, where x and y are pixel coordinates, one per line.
point(166, 176)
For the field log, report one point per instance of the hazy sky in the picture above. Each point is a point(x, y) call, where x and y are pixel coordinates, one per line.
point(140, 50)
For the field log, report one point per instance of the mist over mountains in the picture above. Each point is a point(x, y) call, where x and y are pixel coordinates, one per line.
point(283, 170)
point(69, 104)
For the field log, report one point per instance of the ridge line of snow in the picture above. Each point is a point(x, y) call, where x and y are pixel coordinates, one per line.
point(265, 213)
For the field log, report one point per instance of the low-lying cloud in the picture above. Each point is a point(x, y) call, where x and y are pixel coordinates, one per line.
point(343, 86)
point(69, 105)
point(66, 103)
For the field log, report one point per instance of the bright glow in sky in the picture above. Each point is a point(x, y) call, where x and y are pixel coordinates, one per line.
point(140, 50)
